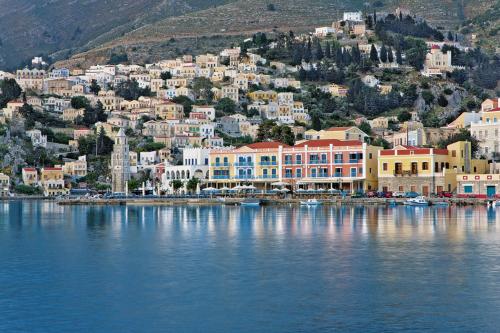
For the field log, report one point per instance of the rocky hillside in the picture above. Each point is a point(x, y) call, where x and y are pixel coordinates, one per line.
point(33, 27)
point(183, 33)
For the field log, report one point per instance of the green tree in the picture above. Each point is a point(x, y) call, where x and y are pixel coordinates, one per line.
point(374, 54)
point(176, 184)
point(95, 87)
point(226, 105)
point(316, 121)
point(9, 90)
point(390, 55)
point(79, 102)
point(404, 116)
point(192, 184)
point(383, 54)
point(186, 102)
point(202, 87)
point(463, 135)
point(165, 76)
point(365, 127)
point(399, 56)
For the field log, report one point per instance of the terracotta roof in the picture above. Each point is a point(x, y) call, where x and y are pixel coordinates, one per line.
point(327, 142)
point(52, 169)
point(435, 47)
point(494, 110)
point(335, 129)
point(29, 169)
point(266, 145)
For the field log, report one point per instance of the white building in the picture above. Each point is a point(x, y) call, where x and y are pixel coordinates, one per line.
point(353, 16)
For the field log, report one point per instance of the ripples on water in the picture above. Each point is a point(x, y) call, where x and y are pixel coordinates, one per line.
point(236, 269)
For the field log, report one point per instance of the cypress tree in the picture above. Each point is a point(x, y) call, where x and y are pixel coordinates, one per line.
point(383, 54)
point(399, 57)
point(374, 54)
point(390, 55)
point(319, 51)
point(328, 53)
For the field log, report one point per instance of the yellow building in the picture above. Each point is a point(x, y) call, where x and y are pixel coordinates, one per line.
point(261, 95)
point(52, 180)
point(169, 111)
point(426, 170)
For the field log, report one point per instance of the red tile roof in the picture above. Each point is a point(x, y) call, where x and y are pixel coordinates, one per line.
point(266, 145)
point(494, 110)
point(29, 169)
point(52, 169)
point(327, 142)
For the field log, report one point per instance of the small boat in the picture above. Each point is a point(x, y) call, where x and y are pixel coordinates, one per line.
point(251, 202)
point(440, 204)
point(310, 202)
point(495, 204)
point(418, 201)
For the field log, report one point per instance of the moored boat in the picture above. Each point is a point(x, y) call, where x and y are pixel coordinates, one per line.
point(251, 202)
point(310, 202)
point(418, 201)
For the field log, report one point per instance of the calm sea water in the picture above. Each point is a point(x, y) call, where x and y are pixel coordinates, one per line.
point(236, 269)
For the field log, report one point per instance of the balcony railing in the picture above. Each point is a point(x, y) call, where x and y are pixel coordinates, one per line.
point(220, 177)
point(318, 162)
point(339, 161)
point(243, 164)
point(226, 164)
point(244, 177)
point(407, 173)
point(354, 160)
point(268, 176)
point(266, 163)
point(338, 174)
point(288, 162)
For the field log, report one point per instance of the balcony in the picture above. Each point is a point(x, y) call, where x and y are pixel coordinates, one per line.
point(269, 177)
point(318, 161)
point(243, 164)
point(407, 173)
point(354, 161)
point(221, 165)
point(339, 161)
point(244, 177)
point(320, 175)
point(268, 163)
point(288, 162)
point(338, 174)
point(220, 177)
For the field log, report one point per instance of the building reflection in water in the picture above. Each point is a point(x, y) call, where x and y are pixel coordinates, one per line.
point(229, 223)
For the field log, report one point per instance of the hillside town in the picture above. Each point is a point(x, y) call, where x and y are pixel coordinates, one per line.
point(374, 104)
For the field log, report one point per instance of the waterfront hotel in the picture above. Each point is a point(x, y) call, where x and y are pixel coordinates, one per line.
point(313, 164)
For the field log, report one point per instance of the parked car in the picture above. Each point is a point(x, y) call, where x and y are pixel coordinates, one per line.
point(445, 194)
point(387, 194)
point(398, 194)
point(358, 195)
point(371, 194)
point(412, 194)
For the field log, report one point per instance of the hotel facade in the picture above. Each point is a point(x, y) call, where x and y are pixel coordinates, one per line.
point(313, 164)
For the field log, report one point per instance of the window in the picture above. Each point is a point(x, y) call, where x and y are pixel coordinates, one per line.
point(370, 156)
point(313, 172)
point(298, 159)
point(299, 173)
point(425, 165)
point(453, 153)
point(288, 173)
point(384, 166)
